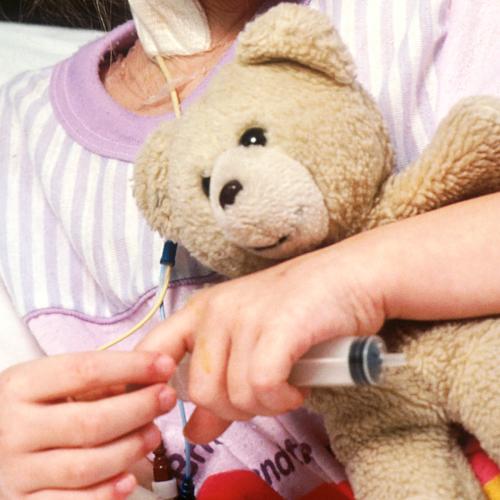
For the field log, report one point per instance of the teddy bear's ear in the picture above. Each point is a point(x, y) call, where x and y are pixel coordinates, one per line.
point(299, 34)
point(461, 162)
point(150, 181)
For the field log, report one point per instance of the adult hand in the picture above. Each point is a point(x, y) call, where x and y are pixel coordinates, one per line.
point(51, 448)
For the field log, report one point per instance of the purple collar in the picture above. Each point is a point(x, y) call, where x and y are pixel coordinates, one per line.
point(90, 115)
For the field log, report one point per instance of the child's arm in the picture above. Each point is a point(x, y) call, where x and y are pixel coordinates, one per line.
point(52, 447)
point(246, 334)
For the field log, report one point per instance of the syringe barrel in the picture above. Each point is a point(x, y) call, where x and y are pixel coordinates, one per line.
point(342, 361)
point(337, 362)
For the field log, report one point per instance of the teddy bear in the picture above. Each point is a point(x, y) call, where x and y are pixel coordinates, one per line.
point(285, 153)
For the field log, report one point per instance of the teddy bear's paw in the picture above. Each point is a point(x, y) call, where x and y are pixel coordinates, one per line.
point(461, 162)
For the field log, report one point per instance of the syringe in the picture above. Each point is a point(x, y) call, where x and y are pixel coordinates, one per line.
point(345, 361)
point(342, 361)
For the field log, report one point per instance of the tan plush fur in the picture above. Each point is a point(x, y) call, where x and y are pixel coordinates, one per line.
point(294, 79)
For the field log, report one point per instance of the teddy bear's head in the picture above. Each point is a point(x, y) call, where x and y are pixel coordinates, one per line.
point(284, 153)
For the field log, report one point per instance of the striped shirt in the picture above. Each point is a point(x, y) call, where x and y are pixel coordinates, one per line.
point(78, 261)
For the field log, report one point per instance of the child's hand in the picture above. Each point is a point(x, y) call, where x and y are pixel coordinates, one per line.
point(246, 334)
point(51, 448)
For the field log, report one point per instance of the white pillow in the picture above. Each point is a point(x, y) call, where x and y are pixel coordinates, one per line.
point(25, 47)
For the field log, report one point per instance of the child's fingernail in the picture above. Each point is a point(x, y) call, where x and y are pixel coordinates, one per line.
point(126, 485)
point(164, 364)
point(187, 431)
point(151, 437)
point(167, 398)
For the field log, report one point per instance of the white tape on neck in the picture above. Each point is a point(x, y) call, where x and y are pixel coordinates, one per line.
point(171, 27)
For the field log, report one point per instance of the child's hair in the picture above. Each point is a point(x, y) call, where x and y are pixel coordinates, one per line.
point(92, 14)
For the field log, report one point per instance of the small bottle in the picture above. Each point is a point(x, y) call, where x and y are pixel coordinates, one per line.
point(164, 485)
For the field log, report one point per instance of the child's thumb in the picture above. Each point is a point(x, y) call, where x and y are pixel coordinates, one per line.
point(204, 426)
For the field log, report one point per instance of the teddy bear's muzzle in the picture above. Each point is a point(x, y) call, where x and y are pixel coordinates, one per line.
point(267, 203)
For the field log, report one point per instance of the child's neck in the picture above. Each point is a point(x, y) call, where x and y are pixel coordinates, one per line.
point(227, 17)
point(135, 81)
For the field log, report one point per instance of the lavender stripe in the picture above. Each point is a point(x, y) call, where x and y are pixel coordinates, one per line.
point(61, 164)
point(119, 225)
point(100, 237)
point(27, 186)
point(27, 179)
point(424, 100)
point(25, 217)
point(98, 234)
point(406, 76)
point(10, 103)
point(387, 35)
point(337, 13)
point(361, 27)
point(80, 191)
point(52, 257)
point(118, 249)
point(147, 250)
point(28, 89)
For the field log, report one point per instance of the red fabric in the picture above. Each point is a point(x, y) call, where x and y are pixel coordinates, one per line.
point(236, 485)
point(482, 465)
point(330, 491)
point(246, 485)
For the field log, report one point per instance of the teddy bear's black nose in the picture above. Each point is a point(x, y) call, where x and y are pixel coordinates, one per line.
point(229, 192)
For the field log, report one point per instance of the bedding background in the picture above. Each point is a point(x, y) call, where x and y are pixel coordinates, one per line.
point(67, 25)
point(26, 47)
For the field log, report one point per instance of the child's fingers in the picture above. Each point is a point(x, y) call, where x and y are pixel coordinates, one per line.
point(56, 377)
point(115, 489)
point(239, 390)
point(83, 467)
point(207, 374)
point(270, 367)
point(203, 426)
point(172, 336)
point(101, 393)
point(90, 424)
point(281, 398)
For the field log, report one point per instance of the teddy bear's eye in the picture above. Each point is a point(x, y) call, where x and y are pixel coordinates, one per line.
point(253, 137)
point(205, 185)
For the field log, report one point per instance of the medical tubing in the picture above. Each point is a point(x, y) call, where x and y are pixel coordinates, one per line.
point(182, 411)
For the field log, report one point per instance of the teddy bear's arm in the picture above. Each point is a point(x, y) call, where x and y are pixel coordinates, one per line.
point(462, 161)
